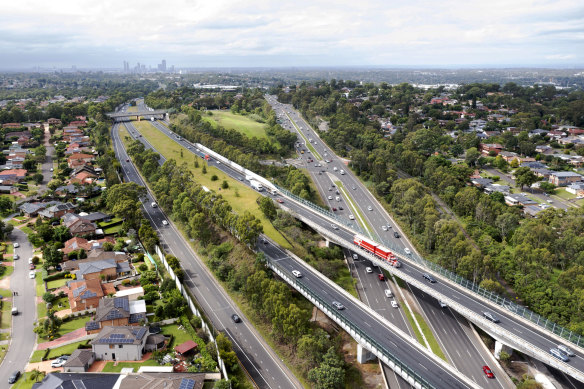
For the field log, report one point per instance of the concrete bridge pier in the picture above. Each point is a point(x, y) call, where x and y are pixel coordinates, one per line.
point(328, 243)
point(499, 346)
point(364, 355)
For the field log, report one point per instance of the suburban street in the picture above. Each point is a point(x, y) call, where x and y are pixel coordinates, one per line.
point(259, 360)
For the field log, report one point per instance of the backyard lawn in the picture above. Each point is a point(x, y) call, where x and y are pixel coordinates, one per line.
point(243, 124)
point(73, 325)
point(240, 197)
point(56, 352)
point(110, 368)
point(54, 284)
point(179, 335)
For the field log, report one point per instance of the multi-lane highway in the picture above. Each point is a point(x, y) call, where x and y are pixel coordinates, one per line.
point(462, 348)
point(407, 350)
point(525, 334)
point(261, 363)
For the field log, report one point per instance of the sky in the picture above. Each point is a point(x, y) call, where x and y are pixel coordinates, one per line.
point(280, 33)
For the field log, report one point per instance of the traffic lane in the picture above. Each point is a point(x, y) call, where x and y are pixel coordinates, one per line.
point(459, 348)
point(155, 214)
point(354, 312)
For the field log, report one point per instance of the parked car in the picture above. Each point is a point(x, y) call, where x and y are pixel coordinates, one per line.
point(488, 372)
point(59, 362)
point(14, 377)
point(16, 245)
point(490, 316)
point(31, 274)
point(31, 266)
point(15, 257)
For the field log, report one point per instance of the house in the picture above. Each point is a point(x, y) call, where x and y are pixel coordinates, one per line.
point(492, 188)
point(79, 361)
point(106, 269)
point(544, 149)
point(576, 188)
point(79, 159)
point(82, 227)
point(519, 199)
point(117, 311)
point(32, 209)
point(132, 293)
point(508, 155)
point(533, 165)
point(78, 243)
point(84, 294)
point(486, 148)
point(54, 122)
point(96, 217)
point(537, 131)
point(481, 182)
point(564, 178)
point(120, 343)
point(83, 178)
point(544, 173)
point(532, 210)
point(56, 211)
point(140, 380)
point(555, 134)
point(17, 174)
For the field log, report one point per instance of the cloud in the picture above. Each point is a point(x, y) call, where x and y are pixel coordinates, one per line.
point(321, 32)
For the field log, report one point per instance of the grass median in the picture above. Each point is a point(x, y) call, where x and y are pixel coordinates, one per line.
point(240, 196)
point(308, 144)
point(354, 208)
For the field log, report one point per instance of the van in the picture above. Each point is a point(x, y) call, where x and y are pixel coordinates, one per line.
point(388, 293)
point(154, 205)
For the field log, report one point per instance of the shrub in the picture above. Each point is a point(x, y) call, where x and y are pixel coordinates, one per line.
point(214, 177)
point(143, 267)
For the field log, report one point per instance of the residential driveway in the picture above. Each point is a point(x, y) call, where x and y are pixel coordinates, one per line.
point(43, 366)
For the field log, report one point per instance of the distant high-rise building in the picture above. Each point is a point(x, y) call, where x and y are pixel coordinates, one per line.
point(162, 66)
point(126, 66)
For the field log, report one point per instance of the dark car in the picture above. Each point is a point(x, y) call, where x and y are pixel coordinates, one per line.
point(396, 234)
point(488, 372)
point(14, 377)
point(235, 318)
point(490, 316)
point(127, 159)
point(341, 208)
point(155, 330)
point(429, 278)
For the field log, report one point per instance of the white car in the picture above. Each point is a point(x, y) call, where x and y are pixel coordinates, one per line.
point(388, 293)
point(296, 273)
point(370, 208)
point(408, 251)
point(384, 228)
point(368, 270)
point(394, 304)
point(334, 226)
point(164, 223)
point(330, 197)
point(32, 274)
point(351, 217)
point(16, 245)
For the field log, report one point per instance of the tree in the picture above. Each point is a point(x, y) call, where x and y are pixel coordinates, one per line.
point(36, 375)
point(37, 178)
point(52, 256)
point(472, 156)
point(330, 374)
point(222, 384)
point(547, 187)
point(524, 176)
point(268, 208)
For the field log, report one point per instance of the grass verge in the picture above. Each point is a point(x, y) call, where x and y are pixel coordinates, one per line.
point(6, 318)
point(240, 197)
point(236, 122)
point(8, 270)
point(354, 208)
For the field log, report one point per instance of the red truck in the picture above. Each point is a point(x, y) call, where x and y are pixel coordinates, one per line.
point(377, 250)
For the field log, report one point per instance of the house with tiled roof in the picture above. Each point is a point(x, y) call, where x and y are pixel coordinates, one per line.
point(57, 210)
point(102, 269)
point(80, 361)
point(82, 228)
point(117, 311)
point(125, 343)
point(17, 174)
point(83, 178)
point(84, 294)
point(77, 243)
point(79, 159)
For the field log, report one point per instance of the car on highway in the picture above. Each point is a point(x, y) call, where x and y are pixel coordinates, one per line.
point(127, 159)
point(388, 293)
point(560, 355)
point(408, 251)
point(296, 273)
point(334, 227)
point(31, 274)
point(351, 217)
point(14, 377)
point(164, 223)
point(341, 208)
point(338, 305)
point(368, 270)
point(490, 316)
point(488, 372)
point(566, 350)
point(442, 304)
point(16, 245)
point(429, 278)
point(334, 209)
point(384, 228)
point(370, 208)
point(330, 197)
point(381, 277)
point(396, 234)
point(394, 304)
point(235, 318)
point(59, 362)
point(280, 201)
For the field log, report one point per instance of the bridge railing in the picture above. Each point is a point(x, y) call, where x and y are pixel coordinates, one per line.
point(493, 297)
point(352, 329)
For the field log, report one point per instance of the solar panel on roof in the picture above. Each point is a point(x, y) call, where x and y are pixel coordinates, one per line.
point(187, 383)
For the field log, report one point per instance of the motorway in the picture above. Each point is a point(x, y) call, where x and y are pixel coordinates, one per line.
point(528, 334)
point(409, 352)
point(261, 363)
point(462, 348)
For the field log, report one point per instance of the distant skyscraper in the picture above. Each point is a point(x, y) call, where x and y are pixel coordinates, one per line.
point(162, 66)
point(126, 66)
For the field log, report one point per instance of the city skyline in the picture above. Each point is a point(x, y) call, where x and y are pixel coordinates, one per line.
point(261, 34)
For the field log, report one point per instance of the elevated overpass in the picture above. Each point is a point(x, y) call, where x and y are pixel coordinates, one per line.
point(519, 328)
point(120, 116)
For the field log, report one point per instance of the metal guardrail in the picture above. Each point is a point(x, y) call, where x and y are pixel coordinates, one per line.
point(503, 302)
point(381, 351)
